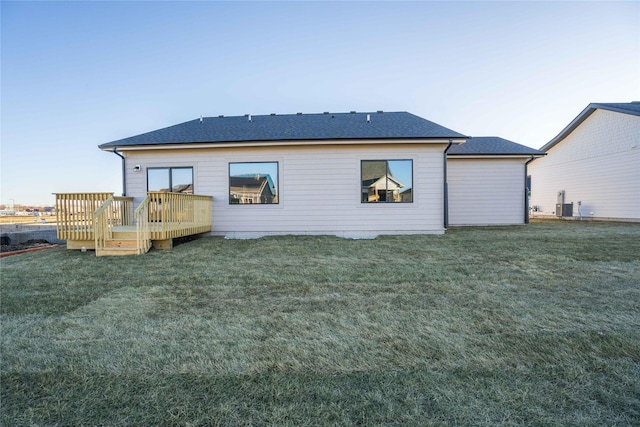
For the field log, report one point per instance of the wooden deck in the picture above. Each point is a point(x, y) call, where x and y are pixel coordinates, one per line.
point(109, 225)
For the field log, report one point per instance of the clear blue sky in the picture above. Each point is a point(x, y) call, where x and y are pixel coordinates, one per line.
point(78, 74)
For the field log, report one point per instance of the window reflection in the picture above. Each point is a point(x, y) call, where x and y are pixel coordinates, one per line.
point(158, 179)
point(175, 180)
point(387, 181)
point(253, 183)
point(182, 180)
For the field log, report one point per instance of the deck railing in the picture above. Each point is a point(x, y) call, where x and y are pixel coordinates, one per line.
point(74, 214)
point(143, 231)
point(177, 214)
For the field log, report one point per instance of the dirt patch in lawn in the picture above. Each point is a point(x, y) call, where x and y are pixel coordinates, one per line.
point(6, 250)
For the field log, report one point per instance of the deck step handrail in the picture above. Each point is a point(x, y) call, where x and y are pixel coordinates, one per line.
point(114, 212)
point(143, 231)
point(101, 230)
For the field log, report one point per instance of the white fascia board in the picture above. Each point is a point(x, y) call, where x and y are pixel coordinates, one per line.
point(492, 156)
point(285, 143)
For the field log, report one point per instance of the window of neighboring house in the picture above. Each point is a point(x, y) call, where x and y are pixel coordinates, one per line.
point(253, 183)
point(174, 180)
point(386, 181)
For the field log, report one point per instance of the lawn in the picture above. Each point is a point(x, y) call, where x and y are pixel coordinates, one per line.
point(534, 325)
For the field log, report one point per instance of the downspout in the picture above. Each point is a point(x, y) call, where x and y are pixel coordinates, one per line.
point(446, 189)
point(124, 175)
point(526, 190)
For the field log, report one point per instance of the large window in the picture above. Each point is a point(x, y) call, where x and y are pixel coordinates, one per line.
point(174, 180)
point(387, 181)
point(253, 183)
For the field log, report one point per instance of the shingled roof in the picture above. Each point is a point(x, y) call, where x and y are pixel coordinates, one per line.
point(491, 145)
point(291, 127)
point(632, 108)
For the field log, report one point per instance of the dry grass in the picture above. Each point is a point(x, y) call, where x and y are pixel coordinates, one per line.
point(27, 220)
point(536, 325)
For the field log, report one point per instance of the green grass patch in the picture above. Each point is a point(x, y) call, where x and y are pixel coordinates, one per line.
point(535, 325)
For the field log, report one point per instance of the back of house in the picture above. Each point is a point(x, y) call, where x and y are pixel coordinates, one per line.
point(346, 174)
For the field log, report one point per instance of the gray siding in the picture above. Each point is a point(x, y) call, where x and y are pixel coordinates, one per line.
point(319, 189)
point(485, 191)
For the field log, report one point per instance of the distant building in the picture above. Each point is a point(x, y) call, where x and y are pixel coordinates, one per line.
point(592, 168)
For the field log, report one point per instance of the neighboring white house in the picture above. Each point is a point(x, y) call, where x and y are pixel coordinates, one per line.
point(318, 167)
point(592, 168)
point(487, 182)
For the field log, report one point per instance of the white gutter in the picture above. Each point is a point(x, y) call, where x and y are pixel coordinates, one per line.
point(198, 145)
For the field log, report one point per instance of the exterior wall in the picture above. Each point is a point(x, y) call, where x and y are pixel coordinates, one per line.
point(319, 186)
point(485, 191)
point(597, 164)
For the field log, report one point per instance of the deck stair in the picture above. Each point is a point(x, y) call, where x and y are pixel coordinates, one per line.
point(123, 243)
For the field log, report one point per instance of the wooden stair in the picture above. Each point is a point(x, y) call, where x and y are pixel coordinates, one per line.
point(123, 243)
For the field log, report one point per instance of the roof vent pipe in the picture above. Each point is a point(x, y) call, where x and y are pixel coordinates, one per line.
point(249, 117)
point(368, 118)
point(200, 118)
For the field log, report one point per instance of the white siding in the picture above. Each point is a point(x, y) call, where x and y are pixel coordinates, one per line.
point(485, 191)
point(319, 187)
point(597, 164)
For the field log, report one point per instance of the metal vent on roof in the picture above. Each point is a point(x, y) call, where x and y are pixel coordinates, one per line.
point(326, 112)
point(298, 114)
point(221, 115)
point(380, 111)
point(368, 118)
point(273, 114)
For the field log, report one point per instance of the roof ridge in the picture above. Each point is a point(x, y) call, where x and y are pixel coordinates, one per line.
point(223, 116)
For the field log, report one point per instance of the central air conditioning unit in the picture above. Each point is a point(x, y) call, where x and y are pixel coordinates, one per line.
point(564, 209)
